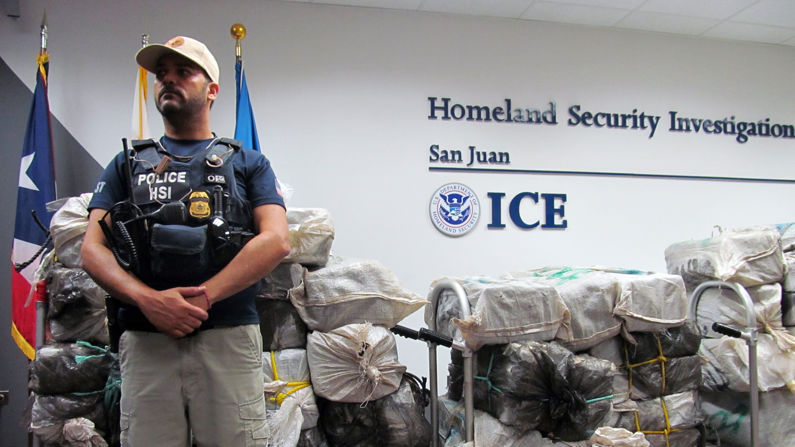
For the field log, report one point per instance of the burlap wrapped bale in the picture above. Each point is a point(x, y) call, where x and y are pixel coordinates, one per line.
point(290, 399)
point(395, 420)
point(726, 365)
point(727, 418)
point(590, 295)
point(676, 414)
point(650, 302)
point(311, 235)
point(352, 292)
point(354, 363)
point(724, 306)
point(502, 311)
point(748, 256)
point(62, 368)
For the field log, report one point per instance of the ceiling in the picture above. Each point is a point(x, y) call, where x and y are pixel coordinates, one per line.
point(767, 21)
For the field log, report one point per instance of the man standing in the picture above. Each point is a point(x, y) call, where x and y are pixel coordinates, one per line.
point(180, 229)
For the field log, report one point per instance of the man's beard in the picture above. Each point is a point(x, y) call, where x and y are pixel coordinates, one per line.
point(175, 111)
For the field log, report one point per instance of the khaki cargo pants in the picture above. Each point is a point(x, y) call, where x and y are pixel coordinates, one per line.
point(210, 384)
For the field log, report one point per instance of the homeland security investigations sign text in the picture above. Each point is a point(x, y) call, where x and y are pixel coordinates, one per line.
point(506, 112)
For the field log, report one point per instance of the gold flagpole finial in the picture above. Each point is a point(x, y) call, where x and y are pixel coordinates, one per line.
point(43, 33)
point(238, 31)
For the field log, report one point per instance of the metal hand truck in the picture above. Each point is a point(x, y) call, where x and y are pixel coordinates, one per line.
point(749, 334)
point(433, 339)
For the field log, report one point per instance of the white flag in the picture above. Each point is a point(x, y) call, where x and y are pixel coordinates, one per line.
point(140, 124)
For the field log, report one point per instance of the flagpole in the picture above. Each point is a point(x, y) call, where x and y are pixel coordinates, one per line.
point(41, 306)
point(238, 31)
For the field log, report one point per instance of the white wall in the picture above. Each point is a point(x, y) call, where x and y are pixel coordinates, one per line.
point(340, 96)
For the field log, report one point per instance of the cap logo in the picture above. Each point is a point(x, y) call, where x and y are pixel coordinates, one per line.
point(175, 42)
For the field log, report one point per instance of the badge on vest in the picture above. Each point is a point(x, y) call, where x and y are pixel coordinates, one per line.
point(199, 205)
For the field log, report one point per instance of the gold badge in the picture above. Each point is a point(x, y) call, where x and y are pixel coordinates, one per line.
point(199, 205)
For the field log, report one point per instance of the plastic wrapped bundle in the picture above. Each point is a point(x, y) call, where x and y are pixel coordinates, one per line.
point(289, 394)
point(354, 363)
point(651, 302)
point(748, 256)
point(395, 420)
point(590, 295)
point(609, 436)
point(67, 227)
point(278, 283)
point(671, 376)
point(50, 413)
point(280, 325)
point(727, 416)
point(673, 342)
point(540, 386)
point(673, 417)
point(62, 368)
point(352, 292)
point(311, 236)
point(76, 306)
point(502, 311)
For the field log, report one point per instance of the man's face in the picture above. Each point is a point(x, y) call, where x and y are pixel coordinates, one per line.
point(181, 87)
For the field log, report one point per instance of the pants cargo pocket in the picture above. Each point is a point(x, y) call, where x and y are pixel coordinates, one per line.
point(252, 415)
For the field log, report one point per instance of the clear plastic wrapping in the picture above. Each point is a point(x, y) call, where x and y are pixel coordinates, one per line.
point(280, 324)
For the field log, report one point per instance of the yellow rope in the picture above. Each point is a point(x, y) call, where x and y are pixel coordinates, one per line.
point(292, 386)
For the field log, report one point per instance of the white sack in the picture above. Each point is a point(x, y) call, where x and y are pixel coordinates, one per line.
point(67, 227)
point(354, 363)
point(351, 292)
point(502, 311)
point(651, 302)
point(311, 236)
point(727, 364)
point(590, 295)
point(724, 306)
point(617, 437)
point(749, 256)
point(288, 387)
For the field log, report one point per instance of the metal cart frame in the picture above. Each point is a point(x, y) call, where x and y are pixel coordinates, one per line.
point(750, 334)
point(469, 420)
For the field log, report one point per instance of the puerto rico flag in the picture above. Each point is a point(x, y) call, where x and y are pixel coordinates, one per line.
point(36, 188)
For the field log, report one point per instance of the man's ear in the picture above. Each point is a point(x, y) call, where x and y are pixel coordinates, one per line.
point(212, 91)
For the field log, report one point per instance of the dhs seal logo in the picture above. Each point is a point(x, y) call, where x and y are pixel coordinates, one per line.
point(454, 209)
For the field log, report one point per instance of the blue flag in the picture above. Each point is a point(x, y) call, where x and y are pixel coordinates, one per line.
point(245, 126)
point(36, 188)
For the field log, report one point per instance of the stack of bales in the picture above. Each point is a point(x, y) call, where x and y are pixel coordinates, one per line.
point(73, 372)
point(326, 335)
point(532, 332)
point(762, 260)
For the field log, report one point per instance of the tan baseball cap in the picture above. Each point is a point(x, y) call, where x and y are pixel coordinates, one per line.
point(192, 49)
